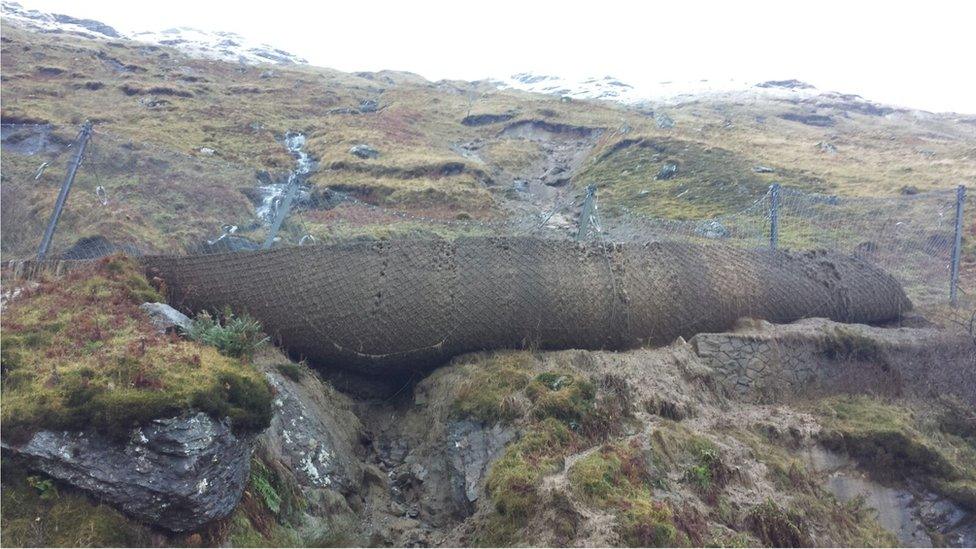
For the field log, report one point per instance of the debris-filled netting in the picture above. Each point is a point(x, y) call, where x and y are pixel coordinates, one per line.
point(349, 275)
point(390, 306)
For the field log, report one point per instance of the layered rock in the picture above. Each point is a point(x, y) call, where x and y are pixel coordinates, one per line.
point(178, 473)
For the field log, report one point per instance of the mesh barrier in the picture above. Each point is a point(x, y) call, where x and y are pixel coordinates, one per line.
point(383, 307)
point(527, 276)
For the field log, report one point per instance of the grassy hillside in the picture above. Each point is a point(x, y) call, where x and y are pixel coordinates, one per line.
point(183, 143)
point(155, 95)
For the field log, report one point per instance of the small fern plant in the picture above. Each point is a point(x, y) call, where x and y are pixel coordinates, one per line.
point(235, 336)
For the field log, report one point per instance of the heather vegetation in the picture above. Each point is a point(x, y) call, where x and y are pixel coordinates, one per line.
point(78, 353)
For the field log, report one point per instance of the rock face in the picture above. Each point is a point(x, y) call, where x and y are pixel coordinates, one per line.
point(166, 318)
point(177, 473)
point(819, 120)
point(313, 432)
point(471, 448)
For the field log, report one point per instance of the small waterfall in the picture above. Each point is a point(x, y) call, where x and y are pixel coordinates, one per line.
point(272, 195)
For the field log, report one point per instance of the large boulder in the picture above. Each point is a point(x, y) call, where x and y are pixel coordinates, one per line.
point(313, 432)
point(178, 473)
point(165, 318)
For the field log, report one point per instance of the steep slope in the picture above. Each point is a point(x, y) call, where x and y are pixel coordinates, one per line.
point(424, 131)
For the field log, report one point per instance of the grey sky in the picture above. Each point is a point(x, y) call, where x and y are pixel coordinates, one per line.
point(909, 54)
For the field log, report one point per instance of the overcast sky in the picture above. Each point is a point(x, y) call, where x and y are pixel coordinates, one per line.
point(913, 54)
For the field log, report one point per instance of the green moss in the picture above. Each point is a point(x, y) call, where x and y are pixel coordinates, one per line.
point(513, 482)
point(647, 523)
point(36, 513)
point(617, 478)
point(563, 396)
point(490, 393)
point(614, 471)
point(884, 437)
point(80, 354)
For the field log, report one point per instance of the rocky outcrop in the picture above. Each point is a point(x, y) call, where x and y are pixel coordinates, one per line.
point(819, 120)
point(364, 151)
point(472, 447)
point(486, 118)
point(313, 432)
point(178, 473)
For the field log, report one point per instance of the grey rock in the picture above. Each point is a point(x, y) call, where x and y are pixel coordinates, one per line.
point(827, 147)
point(178, 473)
point(663, 121)
point(667, 171)
point(471, 448)
point(818, 120)
point(485, 119)
point(368, 105)
point(90, 24)
point(313, 433)
point(791, 84)
point(520, 185)
point(364, 151)
point(763, 169)
point(714, 229)
point(165, 318)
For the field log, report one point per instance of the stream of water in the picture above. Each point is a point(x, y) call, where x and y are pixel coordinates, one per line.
point(272, 195)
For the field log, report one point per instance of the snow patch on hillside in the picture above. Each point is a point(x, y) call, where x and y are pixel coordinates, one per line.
point(225, 46)
point(613, 89)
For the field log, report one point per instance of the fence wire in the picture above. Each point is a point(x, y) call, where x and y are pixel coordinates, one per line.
point(141, 199)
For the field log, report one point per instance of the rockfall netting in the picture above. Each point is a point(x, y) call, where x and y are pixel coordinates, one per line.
point(141, 198)
point(384, 307)
point(352, 280)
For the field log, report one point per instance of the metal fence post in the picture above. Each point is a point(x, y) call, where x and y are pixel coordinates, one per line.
point(774, 215)
point(586, 213)
point(80, 143)
point(956, 248)
point(282, 211)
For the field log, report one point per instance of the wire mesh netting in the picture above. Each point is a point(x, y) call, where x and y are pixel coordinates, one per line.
point(142, 199)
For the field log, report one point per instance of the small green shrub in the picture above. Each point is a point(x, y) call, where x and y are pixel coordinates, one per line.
point(45, 487)
point(294, 372)
point(261, 482)
point(235, 336)
point(778, 527)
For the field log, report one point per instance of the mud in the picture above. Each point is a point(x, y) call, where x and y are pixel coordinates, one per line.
point(405, 306)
